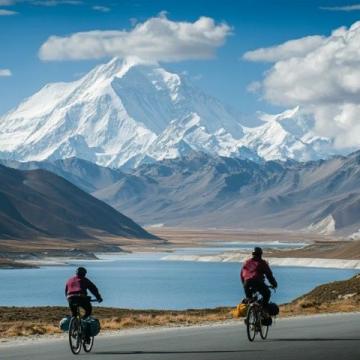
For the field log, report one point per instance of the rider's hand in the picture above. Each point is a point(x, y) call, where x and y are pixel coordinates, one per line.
point(100, 299)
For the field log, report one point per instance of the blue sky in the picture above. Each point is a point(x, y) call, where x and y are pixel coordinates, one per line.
point(26, 25)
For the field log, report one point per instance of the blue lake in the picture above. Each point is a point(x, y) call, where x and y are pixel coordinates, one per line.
point(144, 281)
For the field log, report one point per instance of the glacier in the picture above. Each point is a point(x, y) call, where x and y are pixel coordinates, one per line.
point(128, 112)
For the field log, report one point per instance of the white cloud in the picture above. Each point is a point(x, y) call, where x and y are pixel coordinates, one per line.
point(254, 87)
point(286, 50)
point(101, 8)
point(4, 12)
point(355, 7)
point(157, 39)
point(323, 79)
point(5, 72)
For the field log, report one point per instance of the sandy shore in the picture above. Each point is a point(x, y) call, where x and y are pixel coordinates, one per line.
point(300, 262)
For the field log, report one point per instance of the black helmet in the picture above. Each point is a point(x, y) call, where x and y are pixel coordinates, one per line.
point(81, 271)
point(257, 251)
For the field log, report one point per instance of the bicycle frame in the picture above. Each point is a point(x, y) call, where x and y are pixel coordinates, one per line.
point(77, 333)
point(254, 318)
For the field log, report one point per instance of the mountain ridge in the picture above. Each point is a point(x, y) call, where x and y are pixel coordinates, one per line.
point(39, 204)
point(203, 191)
point(128, 113)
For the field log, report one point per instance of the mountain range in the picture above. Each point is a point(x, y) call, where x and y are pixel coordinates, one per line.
point(211, 191)
point(39, 204)
point(150, 144)
point(127, 113)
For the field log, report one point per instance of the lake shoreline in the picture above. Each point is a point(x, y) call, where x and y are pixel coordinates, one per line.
point(17, 255)
point(322, 263)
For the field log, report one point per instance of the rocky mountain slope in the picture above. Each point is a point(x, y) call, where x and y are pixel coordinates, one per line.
point(129, 113)
point(322, 196)
point(38, 204)
point(206, 191)
point(82, 173)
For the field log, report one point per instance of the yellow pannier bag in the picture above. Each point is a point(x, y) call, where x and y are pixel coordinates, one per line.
point(239, 311)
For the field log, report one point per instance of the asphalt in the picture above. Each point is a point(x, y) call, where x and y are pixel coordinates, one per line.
point(308, 338)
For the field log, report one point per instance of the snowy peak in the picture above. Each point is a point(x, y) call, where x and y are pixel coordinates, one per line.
point(130, 111)
point(287, 114)
point(288, 135)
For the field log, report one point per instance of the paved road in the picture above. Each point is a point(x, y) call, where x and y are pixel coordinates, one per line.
point(319, 338)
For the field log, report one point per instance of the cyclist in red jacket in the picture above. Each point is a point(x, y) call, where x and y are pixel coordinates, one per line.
point(253, 275)
point(76, 292)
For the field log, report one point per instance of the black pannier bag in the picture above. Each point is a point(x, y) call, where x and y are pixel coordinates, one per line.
point(272, 309)
point(92, 326)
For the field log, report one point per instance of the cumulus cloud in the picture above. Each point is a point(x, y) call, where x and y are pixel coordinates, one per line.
point(323, 79)
point(254, 87)
point(5, 72)
point(4, 12)
point(355, 7)
point(101, 8)
point(158, 39)
point(289, 49)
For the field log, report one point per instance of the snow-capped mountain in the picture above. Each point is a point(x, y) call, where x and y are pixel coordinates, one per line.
point(124, 113)
point(287, 135)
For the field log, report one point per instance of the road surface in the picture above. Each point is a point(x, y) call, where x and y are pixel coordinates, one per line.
point(311, 338)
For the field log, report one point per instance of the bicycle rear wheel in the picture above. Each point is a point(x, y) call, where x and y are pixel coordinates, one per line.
point(75, 335)
point(251, 319)
point(88, 345)
point(264, 329)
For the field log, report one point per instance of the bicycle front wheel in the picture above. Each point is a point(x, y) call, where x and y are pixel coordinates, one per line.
point(75, 335)
point(88, 344)
point(251, 319)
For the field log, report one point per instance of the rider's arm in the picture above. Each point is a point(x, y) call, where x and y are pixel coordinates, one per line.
point(93, 289)
point(269, 275)
point(66, 290)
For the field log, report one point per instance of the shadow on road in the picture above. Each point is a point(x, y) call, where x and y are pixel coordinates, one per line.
point(171, 352)
point(312, 339)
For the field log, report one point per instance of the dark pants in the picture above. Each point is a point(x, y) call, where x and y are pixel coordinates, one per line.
point(251, 286)
point(81, 301)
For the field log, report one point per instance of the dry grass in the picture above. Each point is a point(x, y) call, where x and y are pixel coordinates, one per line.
point(338, 296)
point(44, 320)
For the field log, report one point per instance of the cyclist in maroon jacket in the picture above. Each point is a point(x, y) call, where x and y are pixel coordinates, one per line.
point(253, 275)
point(76, 292)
